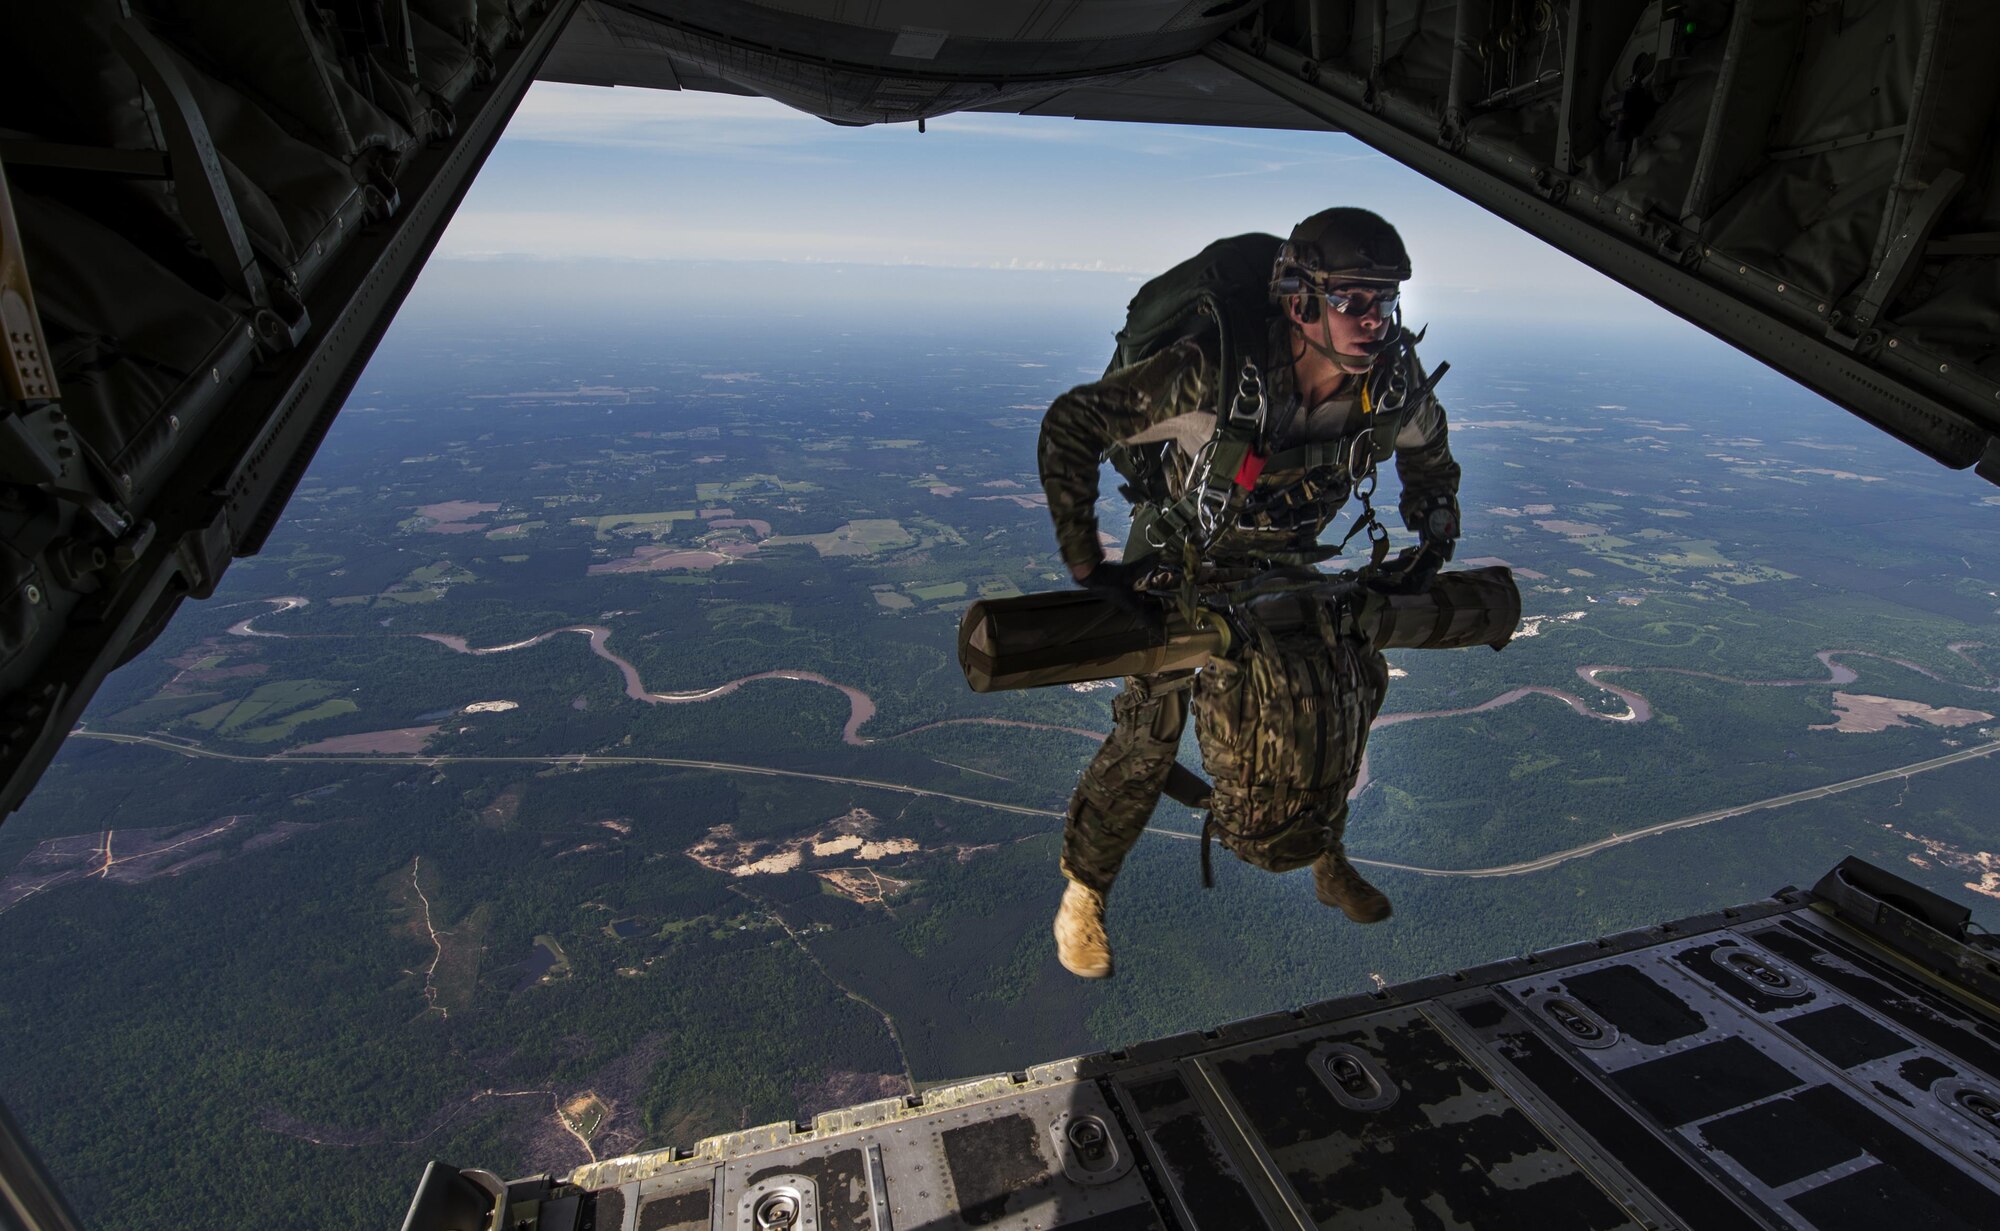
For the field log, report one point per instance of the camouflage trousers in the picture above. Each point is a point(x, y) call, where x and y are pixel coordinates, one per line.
point(1282, 727)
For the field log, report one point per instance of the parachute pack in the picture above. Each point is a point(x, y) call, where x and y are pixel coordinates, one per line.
point(1223, 291)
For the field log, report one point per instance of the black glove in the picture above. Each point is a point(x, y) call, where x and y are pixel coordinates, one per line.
point(1120, 584)
point(1412, 571)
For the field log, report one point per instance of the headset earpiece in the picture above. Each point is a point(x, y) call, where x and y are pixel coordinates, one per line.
point(1308, 309)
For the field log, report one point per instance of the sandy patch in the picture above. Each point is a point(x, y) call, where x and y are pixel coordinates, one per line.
point(770, 865)
point(402, 739)
point(847, 837)
point(492, 707)
point(1858, 712)
point(1532, 626)
point(1984, 866)
point(860, 848)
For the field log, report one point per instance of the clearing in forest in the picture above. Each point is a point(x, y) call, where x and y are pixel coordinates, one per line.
point(863, 537)
point(626, 525)
point(273, 711)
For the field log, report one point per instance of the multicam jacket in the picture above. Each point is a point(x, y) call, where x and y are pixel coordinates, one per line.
point(1172, 397)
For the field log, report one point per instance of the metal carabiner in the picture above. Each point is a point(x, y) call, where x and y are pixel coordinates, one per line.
point(1360, 460)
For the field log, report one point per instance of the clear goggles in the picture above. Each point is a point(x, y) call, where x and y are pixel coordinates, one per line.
point(1356, 301)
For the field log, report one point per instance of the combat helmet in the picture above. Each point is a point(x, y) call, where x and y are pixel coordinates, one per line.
point(1336, 246)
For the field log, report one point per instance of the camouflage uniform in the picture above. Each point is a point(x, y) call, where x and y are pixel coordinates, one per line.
point(1247, 706)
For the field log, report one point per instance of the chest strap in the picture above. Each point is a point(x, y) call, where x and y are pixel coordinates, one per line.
point(1227, 468)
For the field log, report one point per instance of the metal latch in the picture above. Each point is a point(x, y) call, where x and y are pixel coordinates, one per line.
point(776, 1212)
point(1976, 1103)
point(1763, 973)
point(1090, 1151)
point(1356, 1079)
point(1578, 1024)
point(779, 1203)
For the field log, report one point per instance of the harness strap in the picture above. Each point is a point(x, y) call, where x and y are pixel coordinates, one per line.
point(1309, 456)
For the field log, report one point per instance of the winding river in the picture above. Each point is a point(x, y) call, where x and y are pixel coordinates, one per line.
point(861, 707)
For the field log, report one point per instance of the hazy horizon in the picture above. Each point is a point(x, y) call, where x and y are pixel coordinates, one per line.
point(587, 177)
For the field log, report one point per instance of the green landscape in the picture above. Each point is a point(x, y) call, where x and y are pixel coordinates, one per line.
point(584, 765)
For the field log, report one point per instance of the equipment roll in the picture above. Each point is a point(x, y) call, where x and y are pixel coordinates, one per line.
point(1070, 636)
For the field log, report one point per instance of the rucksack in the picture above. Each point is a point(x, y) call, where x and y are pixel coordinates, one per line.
point(1223, 290)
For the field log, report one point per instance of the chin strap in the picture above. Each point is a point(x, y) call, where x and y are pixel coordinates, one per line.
point(1325, 348)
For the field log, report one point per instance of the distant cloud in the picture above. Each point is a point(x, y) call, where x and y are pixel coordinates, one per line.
point(490, 234)
point(586, 173)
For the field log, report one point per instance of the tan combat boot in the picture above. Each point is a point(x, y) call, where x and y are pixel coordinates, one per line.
point(1081, 945)
point(1336, 883)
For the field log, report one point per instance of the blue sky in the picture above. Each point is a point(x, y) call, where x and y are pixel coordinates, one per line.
point(586, 176)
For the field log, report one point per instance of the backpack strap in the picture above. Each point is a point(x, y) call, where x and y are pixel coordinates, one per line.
point(1226, 468)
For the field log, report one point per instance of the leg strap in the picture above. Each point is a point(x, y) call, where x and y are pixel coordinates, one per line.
point(1207, 840)
point(1184, 786)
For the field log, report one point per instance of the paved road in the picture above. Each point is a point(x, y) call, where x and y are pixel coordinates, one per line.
point(1700, 818)
point(196, 750)
point(1542, 864)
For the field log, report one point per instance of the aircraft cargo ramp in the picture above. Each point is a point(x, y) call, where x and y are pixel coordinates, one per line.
point(1817, 1060)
